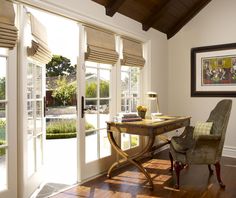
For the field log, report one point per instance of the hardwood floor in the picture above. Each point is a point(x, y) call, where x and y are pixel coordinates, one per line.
point(128, 182)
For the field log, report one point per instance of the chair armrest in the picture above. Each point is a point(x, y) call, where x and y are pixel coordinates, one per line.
point(208, 137)
point(206, 142)
point(187, 131)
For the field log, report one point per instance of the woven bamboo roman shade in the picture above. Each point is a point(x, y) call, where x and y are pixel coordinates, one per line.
point(132, 53)
point(100, 46)
point(39, 47)
point(8, 31)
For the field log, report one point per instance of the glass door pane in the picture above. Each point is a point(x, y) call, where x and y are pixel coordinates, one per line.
point(3, 125)
point(35, 117)
point(97, 103)
point(3, 168)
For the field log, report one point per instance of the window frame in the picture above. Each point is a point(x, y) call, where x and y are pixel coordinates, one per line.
point(130, 98)
point(139, 101)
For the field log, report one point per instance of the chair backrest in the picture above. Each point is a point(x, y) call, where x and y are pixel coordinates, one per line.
point(220, 118)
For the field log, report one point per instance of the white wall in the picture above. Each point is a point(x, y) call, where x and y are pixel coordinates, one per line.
point(215, 24)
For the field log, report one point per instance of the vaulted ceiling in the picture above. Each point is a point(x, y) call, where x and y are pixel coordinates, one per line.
point(167, 16)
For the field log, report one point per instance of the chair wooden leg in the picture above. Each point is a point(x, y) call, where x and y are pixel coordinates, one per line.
point(171, 162)
point(210, 169)
point(178, 167)
point(217, 166)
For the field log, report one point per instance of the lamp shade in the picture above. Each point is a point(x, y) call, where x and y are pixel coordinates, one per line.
point(151, 95)
point(154, 97)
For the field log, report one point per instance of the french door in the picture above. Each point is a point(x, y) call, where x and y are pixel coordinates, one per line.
point(103, 91)
point(31, 108)
point(100, 88)
point(35, 123)
point(98, 107)
point(8, 123)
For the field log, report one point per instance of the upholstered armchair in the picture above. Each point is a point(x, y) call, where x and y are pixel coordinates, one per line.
point(187, 149)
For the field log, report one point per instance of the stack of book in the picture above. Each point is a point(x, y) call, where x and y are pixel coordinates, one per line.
point(130, 117)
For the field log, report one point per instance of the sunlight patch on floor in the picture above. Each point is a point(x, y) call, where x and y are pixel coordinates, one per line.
point(157, 164)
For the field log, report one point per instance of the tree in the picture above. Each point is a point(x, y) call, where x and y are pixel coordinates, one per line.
point(64, 91)
point(2, 88)
point(59, 66)
point(104, 89)
point(91, 89)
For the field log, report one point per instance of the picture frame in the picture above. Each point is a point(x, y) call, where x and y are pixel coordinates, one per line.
point(213, 71)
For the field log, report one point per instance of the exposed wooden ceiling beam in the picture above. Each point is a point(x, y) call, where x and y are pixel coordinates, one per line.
point(155, 15)
point(187, 17)
point(113, 7)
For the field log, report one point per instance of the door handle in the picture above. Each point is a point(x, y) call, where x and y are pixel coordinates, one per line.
point(82, 107)
point(44, 106)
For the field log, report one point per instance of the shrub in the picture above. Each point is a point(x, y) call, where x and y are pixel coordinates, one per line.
point(2, 123)
point(2, 88)
point(89, 126)
point(2, 129)
point(2, 150)
point(91, 89)
point(134, 141)
point(64, 91)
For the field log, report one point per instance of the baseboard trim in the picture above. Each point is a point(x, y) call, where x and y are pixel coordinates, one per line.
point(229, 151)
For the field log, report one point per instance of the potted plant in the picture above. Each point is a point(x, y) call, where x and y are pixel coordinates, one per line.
point(142, 111)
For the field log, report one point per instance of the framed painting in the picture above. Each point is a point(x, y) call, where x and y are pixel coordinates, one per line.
point(213, 71)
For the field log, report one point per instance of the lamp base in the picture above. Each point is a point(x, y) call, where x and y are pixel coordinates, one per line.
point(155, 117)
point(156, 114)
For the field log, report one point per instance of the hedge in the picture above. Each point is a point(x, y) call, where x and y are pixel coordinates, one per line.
point(63, 126)
point(63, 129)
point(60, 135)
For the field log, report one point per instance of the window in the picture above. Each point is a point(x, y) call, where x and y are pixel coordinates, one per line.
point(97, 101)
point(130, 98)
point(130, 88)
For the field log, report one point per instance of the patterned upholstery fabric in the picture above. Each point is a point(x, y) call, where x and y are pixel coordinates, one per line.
point(183, 143)
point(204, 149)
point(202, 128)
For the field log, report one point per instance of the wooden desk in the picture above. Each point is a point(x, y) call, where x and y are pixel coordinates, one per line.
point(146, 128)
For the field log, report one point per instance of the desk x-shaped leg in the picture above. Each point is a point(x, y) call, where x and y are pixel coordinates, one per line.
point(131, 159)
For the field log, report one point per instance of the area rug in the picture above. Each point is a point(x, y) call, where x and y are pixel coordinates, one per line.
point(50, 188)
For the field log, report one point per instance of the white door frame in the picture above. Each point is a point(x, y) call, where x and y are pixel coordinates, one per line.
point(11, 127)
point(90, 169)
point(26, 185)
